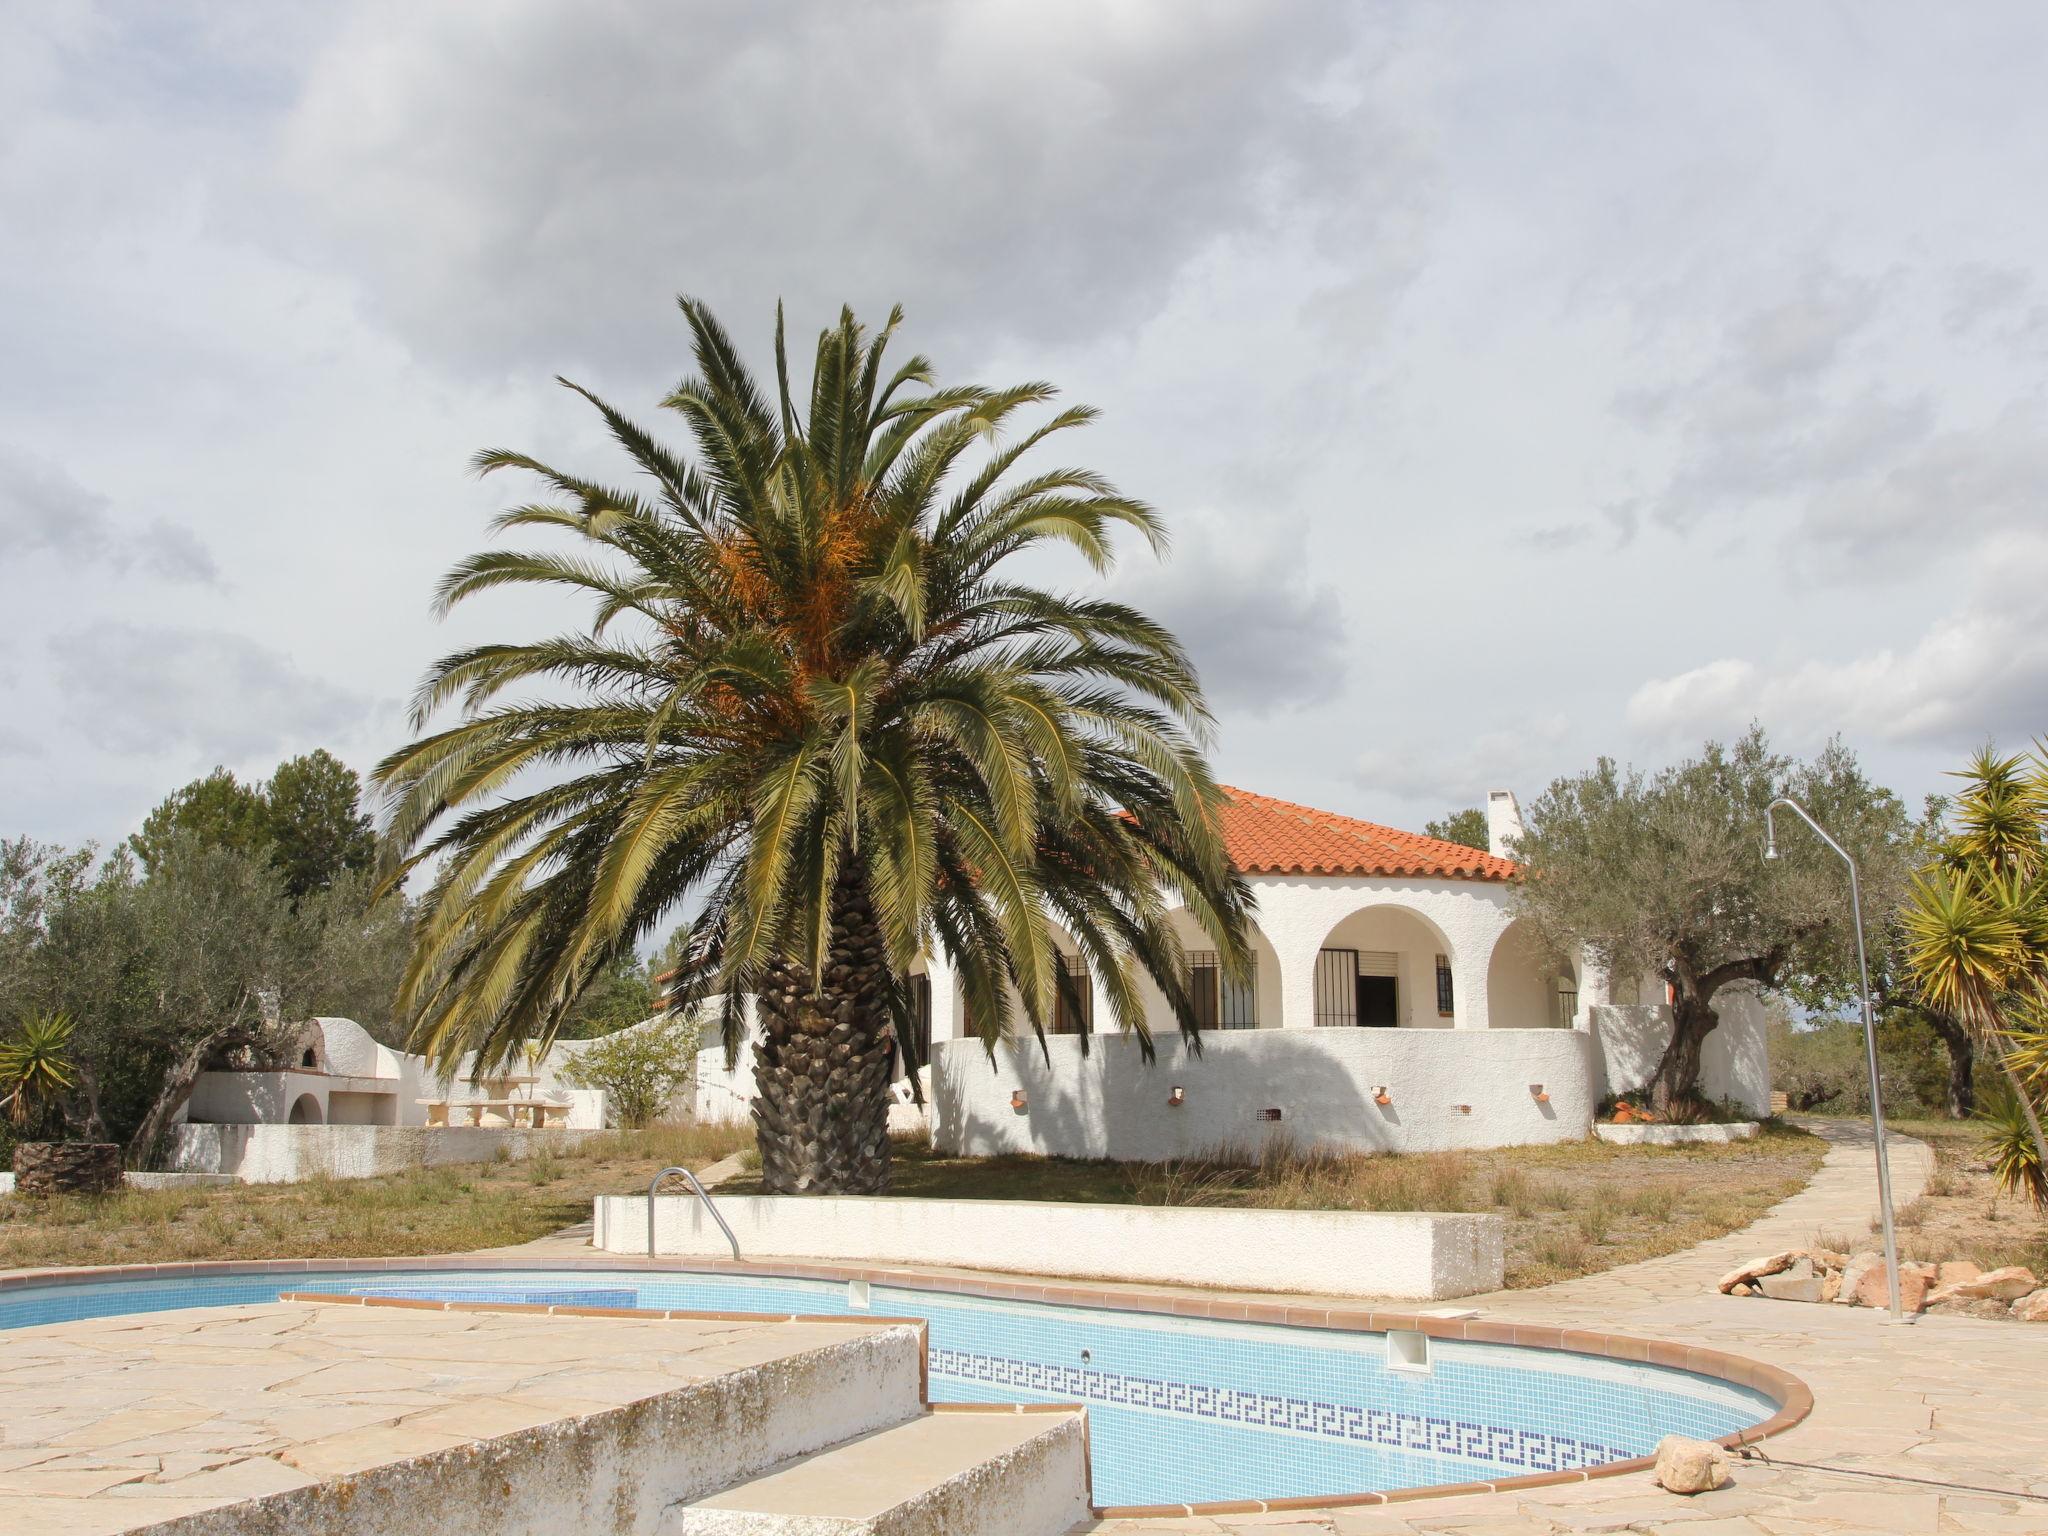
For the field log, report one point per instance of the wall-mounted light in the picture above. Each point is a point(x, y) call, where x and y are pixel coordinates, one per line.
point(1178, 1097)
point(1463, 1109)
point(1382, 1097)
point(1017, 1100)
point(1536, 1092)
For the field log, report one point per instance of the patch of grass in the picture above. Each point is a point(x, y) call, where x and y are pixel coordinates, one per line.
point(1570, 1209)
point(451, 1209)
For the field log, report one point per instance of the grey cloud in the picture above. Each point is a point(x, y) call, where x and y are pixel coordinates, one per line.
point(43, 510)
point(166, 690)
point(1979, 291)
point(1980, 670)
point(1521, 757)
point(1264, 633)
point(528, 187)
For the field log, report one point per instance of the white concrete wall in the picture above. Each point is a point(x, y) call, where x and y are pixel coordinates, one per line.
point(1410, 1255)
point(1110, 1104)
point(1735, 1060)
point(285, 1154)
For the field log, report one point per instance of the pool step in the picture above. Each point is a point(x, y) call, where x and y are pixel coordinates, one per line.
point(956, 1470)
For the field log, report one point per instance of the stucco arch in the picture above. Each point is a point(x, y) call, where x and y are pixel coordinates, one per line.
point(1267, 994)
point(305, 1111)
point(1418, 944)
point(1522, 981)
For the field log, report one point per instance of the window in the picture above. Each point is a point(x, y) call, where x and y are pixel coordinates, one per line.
point(1219, 1002)
point(1446, 998)
point(1337, 987)
point(1567, 1001)
point(1073, 1011)
point(920, 1023)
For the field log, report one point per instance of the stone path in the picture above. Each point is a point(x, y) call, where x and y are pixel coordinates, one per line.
point(1933, 1427)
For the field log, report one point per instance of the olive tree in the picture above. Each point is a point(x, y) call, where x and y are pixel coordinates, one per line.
point(1666, 872)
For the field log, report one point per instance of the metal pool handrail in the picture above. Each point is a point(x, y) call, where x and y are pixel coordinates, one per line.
point(702, 1194)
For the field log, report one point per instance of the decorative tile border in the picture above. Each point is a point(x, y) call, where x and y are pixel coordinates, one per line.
point(1793, 1397)
point(1425, 1434)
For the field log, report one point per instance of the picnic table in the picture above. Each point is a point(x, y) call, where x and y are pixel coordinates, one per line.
point(541, 1114)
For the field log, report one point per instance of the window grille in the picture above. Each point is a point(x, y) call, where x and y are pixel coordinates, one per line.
point(1073, 1011)
point(1567, 1001)
point(1446, 997)
point(1221, 1003)
point(1337, 987)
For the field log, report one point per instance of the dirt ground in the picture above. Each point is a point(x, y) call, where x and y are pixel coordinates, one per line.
point(1962, 1215)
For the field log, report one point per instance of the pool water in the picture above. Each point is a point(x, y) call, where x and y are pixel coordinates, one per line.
point(1181, 1410)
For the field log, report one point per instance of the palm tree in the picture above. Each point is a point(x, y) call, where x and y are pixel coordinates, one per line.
point(818, 704)
point(1977, 924)
point(36, 1068)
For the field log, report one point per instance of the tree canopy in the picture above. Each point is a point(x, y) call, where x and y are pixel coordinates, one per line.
point(1467, 827)
point(306, 818)
point(818, 701)
point(1665, 872)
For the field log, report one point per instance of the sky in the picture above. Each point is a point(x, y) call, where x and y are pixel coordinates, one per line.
point(1521, 384)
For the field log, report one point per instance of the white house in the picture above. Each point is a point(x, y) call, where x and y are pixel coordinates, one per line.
point(1397, 1003)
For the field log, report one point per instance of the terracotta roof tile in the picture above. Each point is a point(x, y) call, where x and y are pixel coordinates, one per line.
point(1275, 837)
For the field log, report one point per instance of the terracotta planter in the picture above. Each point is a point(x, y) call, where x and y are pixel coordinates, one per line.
point(67, 1168)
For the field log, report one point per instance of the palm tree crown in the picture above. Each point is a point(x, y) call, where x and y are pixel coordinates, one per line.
point(811, 705)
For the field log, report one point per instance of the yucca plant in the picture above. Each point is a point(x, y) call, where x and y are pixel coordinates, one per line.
point(819, 703)
point(1976, 927)
point(35, 1067)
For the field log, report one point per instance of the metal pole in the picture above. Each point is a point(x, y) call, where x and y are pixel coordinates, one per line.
point(702, 1194)
point(1884, 1166)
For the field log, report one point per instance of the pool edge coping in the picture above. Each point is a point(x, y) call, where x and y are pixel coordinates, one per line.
point(1793, 1397)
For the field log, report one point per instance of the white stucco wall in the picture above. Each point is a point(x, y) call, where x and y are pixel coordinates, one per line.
point(1110, 1104)
point(285, 1154)
point(1735, 1060)
point(1409, 1255)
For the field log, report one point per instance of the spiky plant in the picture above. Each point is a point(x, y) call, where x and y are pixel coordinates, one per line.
point(35, 1066)
point(818, 703)
point(1976, 923)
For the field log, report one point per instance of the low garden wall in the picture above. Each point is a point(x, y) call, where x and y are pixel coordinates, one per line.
point(285, 1154)
point(1446, 1089)
point(1422, 1256)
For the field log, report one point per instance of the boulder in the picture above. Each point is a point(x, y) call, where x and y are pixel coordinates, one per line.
point(1756, 1269)
point(1831, 1286)
point(2032, 1308)
point(1853, 1273)
point(1827, 1258)
point(1798, 1283)
point(2008, 1284)
point(66, 1168)
point(1873, 1287)
point(1956, 1271)
point(1691, 1466)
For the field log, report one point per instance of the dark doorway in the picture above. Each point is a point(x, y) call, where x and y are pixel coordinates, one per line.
point(1376, 1002)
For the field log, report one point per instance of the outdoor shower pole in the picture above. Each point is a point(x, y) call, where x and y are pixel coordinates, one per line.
point(1884, 1166)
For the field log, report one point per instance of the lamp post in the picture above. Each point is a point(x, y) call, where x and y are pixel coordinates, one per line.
point(1884, 1167)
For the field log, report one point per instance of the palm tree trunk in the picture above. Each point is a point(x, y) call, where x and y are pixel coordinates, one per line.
point(821, 1106)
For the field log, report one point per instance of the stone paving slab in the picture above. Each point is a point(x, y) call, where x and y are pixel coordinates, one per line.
point(116, 1424)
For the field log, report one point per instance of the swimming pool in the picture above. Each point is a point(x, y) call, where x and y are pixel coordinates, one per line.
point(1182, 1410)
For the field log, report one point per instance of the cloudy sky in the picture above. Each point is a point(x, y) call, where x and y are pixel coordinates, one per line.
point(1523, 383)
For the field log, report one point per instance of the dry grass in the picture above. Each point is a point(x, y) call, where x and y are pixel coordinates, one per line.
point(1961, 1214)
point(1570, 1210)
point(432, 1210)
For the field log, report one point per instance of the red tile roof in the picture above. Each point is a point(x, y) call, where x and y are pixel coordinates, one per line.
point(1275, 837)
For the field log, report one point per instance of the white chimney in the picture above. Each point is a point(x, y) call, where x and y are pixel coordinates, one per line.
point(1503, 821)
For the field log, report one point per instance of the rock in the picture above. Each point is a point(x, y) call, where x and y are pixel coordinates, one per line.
point(1831, 1286)
point(2008, 1284)
point(1956, 1271)
point(1691, 1466)
point(1985, 1307)
point(1799, 1283)
point(1756, 1269)
point(66, 1168)
point(1853, 1273)
point(1873, 1287)
point(2033, 1308)
point(1827, 1258)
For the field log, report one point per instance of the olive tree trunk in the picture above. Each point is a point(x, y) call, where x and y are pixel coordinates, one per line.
point(821, 1106)
point(1677, 1078)
point(1962, 1063)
